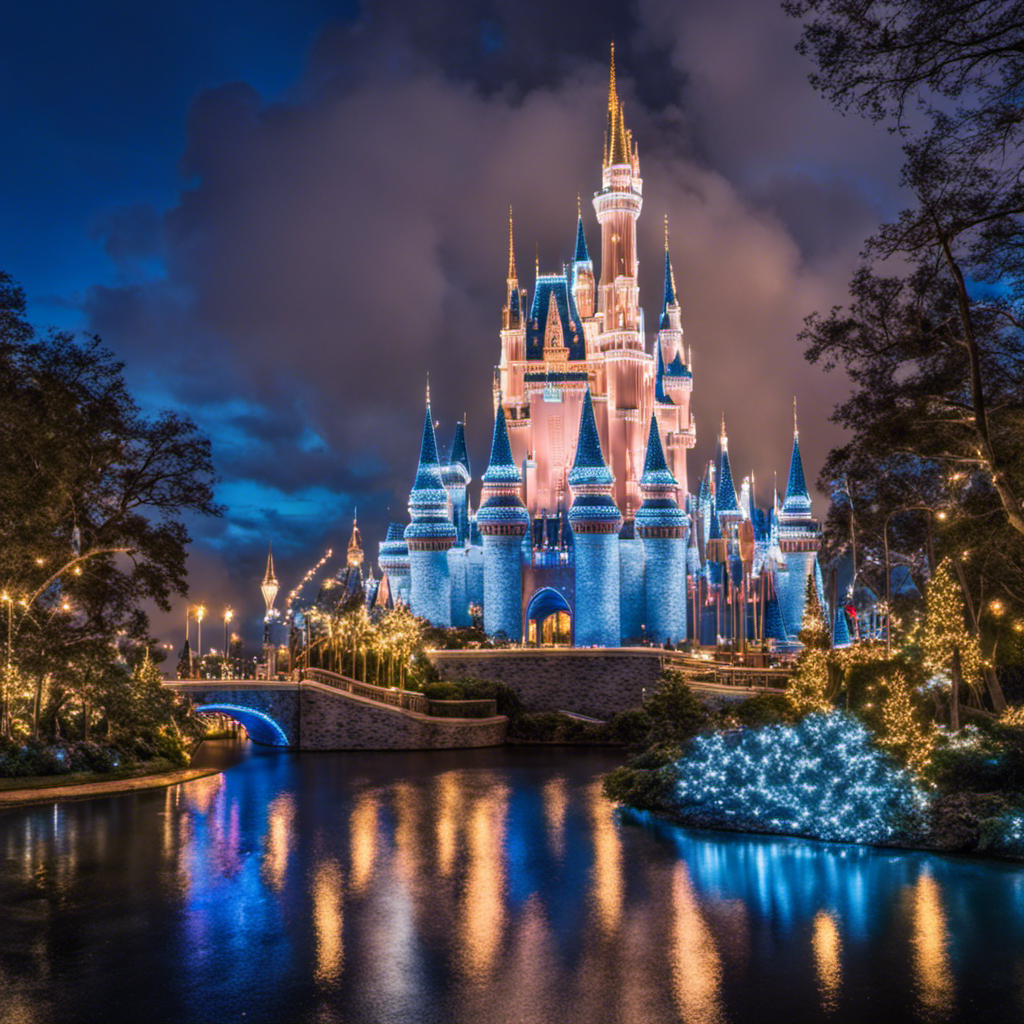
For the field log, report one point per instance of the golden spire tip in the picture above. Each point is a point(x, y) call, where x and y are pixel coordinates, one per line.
point(428, 387)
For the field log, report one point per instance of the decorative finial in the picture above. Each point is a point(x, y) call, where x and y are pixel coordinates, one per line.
point(689, 356)
point(723, 427)
point(579, 209)
point(796, 430)
point(511, 249)
point(428, 387)
point(536, 258)
point(666, 232)
point(611, 85)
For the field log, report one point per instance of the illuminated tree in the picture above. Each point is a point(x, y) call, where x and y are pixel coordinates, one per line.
point(949, 649)
point(823, 778)
point(812, 686)
point(905, 731)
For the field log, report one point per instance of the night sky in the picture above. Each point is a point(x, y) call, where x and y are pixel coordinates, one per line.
point(282, 216)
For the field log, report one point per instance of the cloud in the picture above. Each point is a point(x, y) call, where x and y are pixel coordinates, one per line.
point(329, 249)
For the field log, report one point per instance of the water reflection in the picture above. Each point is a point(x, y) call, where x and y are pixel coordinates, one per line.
point(930, 940)
point(477, 885)
point(827, 951)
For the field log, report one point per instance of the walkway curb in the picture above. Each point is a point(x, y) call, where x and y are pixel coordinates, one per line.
point(90, 790)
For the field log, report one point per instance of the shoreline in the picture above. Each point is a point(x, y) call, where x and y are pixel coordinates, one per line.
point(648, 817)
point(13, 798)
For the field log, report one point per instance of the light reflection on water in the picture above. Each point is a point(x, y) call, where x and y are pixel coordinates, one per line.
point(477, 886)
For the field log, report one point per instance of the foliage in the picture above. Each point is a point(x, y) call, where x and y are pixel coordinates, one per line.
point(761, 709)
point(675, 713)
point(906, 731)
point(646, 782)
point(822, 777)
point(948, 647)
point(813, 684)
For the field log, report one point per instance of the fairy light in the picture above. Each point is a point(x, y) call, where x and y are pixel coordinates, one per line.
point(305, 579)
point(823, 778)
point(945, 630)
point(903, 733)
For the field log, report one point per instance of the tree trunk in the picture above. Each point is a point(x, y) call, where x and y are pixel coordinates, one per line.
point(995, 691)
point(85, 721)
point(954, 699)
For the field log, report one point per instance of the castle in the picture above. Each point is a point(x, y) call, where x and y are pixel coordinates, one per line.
point(586, 531)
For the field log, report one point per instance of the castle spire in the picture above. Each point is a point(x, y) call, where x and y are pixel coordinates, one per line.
point(797, 501)
point(269, 587)
point(656, 472)
point(589, 465)
point(725, 494)
point(618, 147)
point(581, 255)
point(355, 545)
point(501, 469)
point(511, 251)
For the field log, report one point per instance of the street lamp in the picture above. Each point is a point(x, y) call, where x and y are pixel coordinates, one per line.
point(228, 616)
point(888, 582)
point(200, 612)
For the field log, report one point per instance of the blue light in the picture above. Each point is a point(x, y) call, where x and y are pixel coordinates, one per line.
point(276, 734)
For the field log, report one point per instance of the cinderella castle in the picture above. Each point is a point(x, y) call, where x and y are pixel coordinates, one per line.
point(587, 533)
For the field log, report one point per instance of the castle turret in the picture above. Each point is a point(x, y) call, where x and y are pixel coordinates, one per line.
point(661, 524)
point(393, 561)
point(583, 284)
point(595, 520)
point(502, 520)
point(799, 539)
point(726, 502)
point(430, 535)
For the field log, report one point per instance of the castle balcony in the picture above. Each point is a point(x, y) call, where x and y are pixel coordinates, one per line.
point(618, 181)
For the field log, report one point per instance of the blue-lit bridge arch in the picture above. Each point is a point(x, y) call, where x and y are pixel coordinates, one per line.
point(262, 728)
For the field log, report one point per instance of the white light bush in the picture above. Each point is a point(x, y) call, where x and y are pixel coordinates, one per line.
point(822, 778)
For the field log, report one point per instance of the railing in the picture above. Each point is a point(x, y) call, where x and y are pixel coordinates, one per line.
point(483, 707)
point(697, 670)
point(407, 699)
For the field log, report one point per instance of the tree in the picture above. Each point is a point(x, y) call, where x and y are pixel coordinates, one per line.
point(935, 346)
point(812, 685)
point(950, 651)
point(92, 495)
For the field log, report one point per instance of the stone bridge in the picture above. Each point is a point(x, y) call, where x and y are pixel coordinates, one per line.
point(331, 712)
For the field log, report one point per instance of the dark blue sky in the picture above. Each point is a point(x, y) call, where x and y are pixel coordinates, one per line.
point(281, 216)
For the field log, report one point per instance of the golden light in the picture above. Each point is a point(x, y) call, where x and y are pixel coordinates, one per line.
point(228, 614)
point(78, 570)
point(39, 561)
point(996, 607)
point(200, 612)
point(65, 607)
point(940, 515)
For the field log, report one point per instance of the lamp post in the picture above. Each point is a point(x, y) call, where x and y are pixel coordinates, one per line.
point(888, 582)
point(228, 616)
point(200, 612)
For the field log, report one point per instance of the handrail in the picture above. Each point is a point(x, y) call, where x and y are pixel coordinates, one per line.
point(407, 699)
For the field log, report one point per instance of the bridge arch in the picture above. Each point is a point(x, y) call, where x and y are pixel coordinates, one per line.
point(549, 619)
point(260, 726)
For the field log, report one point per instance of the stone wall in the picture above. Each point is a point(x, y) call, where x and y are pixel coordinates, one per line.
point(597, 682)
point(318, 717)
point(333, 720)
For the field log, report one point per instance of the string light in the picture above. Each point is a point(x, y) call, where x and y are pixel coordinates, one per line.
point(305, 579)
point(823, 778)
point(945, 631)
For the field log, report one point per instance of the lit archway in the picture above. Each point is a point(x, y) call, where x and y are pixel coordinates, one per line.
point(549, 619)
point(260, 726)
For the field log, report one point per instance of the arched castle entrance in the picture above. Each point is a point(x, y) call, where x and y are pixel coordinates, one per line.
point(549, 619)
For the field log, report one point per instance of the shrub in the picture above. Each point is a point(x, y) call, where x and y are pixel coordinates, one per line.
point(674, 712)
point(822, 778)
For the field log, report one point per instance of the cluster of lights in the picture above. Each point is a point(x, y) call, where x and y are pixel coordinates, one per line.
point(292, 594)
point(944, 629)
point(823, 778)
point(903, 732)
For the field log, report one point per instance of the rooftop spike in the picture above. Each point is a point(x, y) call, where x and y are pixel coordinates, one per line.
point(511, 250)
point(428, 390)
point(459, 455)
point(269, 576)
point(796, 429)
point(502, 467)
point(588, 447)
point(656, 470)
point(725, 494)
point(581, 255)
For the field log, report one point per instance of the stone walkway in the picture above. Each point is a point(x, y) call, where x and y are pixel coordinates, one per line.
point(88, 790)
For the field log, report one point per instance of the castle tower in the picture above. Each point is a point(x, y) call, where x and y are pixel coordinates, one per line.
point(661, 524)
point(726, 502)
point(455, 476)
point(430, 535)
point(354, 555)
point(393, 561)
point(583, 286)
point(673, 382)
point(595, 521)
point(502, 519)
point(799, 540)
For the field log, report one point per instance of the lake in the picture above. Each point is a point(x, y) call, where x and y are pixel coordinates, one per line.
point(476, 886)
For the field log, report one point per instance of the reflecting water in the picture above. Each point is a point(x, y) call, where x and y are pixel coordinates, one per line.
point(484, 886)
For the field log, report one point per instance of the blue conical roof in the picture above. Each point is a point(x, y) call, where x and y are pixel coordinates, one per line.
point(725, 496)
point(659, 376)
point(670, 290)
point(656, 472)
point(428, 471)
point(502, 467)
point(774, 624)
point(581, 255)
point(797, 499)
point(589, 466)
point(840, 630)
point(459, 455)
